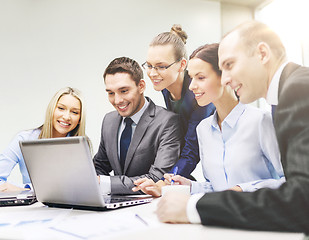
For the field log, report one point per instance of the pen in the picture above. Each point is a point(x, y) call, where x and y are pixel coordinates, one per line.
point(139, 217)
point(174, 173)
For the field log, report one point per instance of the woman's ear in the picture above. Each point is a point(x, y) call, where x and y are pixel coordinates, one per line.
point(183, 64)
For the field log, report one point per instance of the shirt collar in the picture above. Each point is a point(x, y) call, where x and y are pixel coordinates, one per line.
point(272, 93)
point(232, 117)
point(137, 116)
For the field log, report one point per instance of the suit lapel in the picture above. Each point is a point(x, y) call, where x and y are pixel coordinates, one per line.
point(114, 144)
point(139, 132)
point(287, 71)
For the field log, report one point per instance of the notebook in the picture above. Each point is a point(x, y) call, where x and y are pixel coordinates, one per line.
point(63, 175)
point(17, 198)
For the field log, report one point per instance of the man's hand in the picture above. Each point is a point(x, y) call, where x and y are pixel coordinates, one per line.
point(236, 189)
point(8, 187)
point(148, 186)
point(172, 208)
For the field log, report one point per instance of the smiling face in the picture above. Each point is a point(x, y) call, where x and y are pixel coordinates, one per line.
point(206, 83)
point(244, 72)
point(162, 56)
point(66, 115)
point(124, 94)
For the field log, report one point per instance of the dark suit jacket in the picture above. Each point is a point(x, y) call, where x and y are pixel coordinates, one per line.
point(190, 114)
point(154, 148)
point(286, 208)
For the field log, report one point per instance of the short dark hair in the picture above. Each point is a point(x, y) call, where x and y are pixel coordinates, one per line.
point(125, 65)
point(209, 54)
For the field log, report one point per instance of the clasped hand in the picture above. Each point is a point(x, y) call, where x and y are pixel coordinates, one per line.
point(148, 186)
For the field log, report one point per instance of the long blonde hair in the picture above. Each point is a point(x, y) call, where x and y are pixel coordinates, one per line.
point(47, 127)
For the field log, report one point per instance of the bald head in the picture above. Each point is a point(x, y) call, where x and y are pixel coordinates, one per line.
point(253, 32)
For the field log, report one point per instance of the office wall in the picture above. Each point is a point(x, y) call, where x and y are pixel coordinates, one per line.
point(291, 30)
point(49, 44)
point(233, 15)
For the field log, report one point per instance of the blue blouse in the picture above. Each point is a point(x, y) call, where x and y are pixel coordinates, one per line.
point(190, 114)
point(12, 155)
point(244, 153)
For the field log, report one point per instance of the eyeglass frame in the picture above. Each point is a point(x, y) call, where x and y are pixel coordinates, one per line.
point(163, 68)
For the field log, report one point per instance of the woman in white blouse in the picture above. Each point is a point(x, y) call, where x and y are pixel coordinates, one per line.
point(238, 146)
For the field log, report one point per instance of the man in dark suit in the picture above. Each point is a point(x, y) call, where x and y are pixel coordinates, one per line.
point(253, 63)
point(138, 140)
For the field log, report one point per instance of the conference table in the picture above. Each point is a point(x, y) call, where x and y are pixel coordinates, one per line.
point(37, 221)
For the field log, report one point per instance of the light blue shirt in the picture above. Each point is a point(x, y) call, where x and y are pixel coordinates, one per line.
point(12, 155)
point(244, 153)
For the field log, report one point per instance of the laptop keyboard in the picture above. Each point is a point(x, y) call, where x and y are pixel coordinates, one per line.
point(116, 199)
point(16, 202)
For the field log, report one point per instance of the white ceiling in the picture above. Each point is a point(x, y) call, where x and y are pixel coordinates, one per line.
point(246, 3)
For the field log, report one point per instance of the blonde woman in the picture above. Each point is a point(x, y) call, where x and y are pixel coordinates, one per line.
point(65, 117)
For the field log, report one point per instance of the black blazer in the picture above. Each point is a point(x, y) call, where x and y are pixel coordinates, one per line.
point(286, 208)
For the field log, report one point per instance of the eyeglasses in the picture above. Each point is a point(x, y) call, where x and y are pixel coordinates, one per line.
point(149, 67)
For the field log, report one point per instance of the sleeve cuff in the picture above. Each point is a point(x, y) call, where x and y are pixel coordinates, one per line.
point(105, 184)
point(192, 212)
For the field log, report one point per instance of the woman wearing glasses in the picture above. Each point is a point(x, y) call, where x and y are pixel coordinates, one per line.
point(238, 145)
point(166, 67)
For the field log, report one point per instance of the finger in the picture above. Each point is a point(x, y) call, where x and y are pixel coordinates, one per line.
point(153, 191)
point(135, 189)
point(168, 175)
point(147, 183)
point(177, 179)
point(140, 180)
point(162, 212)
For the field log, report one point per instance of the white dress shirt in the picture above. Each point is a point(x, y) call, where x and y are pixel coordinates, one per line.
point(272, 93)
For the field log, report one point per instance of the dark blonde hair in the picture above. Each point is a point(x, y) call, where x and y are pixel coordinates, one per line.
point(47, 127)
point(176, 37)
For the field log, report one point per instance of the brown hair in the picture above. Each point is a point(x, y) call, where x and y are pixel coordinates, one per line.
point(176, 37)
point(209, 54)
point(125, 65)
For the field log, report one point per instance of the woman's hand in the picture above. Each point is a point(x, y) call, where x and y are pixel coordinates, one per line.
point(8, 187)
point(177, 179)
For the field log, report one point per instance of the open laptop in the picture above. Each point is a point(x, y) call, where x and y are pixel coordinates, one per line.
point(17, 198)
point(63, 175)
